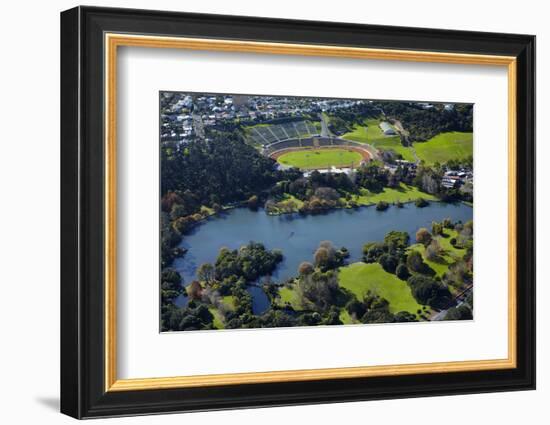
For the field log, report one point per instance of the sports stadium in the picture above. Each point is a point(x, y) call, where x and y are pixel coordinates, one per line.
point(308, 145)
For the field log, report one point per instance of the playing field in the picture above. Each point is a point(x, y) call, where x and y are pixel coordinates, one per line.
point(445, 146)
point(372, 134)
point(320, 158)
point(402, 193)
point(360, 278)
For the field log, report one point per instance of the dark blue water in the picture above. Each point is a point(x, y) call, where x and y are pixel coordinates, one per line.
point(298, 237)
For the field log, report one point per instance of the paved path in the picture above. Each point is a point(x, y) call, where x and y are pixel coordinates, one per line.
point(325, 132)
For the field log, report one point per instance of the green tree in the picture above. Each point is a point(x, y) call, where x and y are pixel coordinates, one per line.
point(388, 262)
point(402, 272)
point(416, 264)
point(382, 206)
point(397, 240)
point(206, 272)
point(429, 292)
point(461, 312)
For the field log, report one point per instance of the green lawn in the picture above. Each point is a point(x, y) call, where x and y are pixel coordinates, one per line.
point(449, 256)
point(372, 134)
point(218, 323)
point(445, 146)
point(289, 295)
point(345, 318)
point(258, 126)
point(360, 278)
point(404, 193)
point(440, 266)
point(229, 302)
point(283, 202)
point(446, 244)
point(322, 158)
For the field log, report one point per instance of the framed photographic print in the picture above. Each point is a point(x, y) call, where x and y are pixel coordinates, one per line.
point(261, 212)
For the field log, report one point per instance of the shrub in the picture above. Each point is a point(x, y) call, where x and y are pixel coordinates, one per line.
point(421, 203)
point(461, 312)
point(404, 316)
point(382, 206)
point(372, 251)
point(402, 272)
point(388, 262)
point(356, 309)
point(427, 291)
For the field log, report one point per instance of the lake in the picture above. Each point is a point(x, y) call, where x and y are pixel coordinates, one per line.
point(298, 236)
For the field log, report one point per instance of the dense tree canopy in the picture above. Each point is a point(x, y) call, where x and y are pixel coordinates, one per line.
point(250, 261)
point(423, 122)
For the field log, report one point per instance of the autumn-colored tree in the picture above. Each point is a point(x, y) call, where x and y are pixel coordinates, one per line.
point(321, 256)
point(305, 267)
point(423, 236)
point(168, 201)
point(433, 250)
point(194, 290)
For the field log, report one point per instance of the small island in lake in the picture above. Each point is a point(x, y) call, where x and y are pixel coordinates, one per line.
point(297, 211)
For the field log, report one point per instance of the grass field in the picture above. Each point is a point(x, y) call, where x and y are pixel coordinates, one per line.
point(218, 323)
point(449, 256)
point(360, 278)
point(229, 302)
point(345, 318)
point(372, 134)
point(404, 193)
point(320, 158)
point(445, 146)
point(289, 295)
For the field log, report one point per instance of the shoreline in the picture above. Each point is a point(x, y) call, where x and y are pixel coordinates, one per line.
point(468, 204)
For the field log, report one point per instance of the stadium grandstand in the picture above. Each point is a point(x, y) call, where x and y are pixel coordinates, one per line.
point(267, 134)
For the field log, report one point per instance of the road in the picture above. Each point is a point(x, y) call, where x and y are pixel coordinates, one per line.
point(461, 297)
point(325, 132)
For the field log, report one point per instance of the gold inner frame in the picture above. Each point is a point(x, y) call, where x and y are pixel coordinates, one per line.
point(113, 41)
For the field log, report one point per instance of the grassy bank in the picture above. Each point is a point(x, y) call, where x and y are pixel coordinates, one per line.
point(449, 255)
point(371, 133)
point(445, 146)
point(403, 193)
point(359, 278)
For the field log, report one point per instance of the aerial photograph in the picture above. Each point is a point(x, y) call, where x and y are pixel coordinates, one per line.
point(282, 211)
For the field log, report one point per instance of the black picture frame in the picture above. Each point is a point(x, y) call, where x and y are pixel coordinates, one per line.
point(83, 392)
